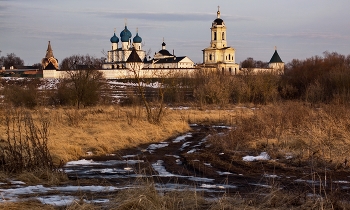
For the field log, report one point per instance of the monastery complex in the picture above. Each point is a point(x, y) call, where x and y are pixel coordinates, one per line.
point(127, 56)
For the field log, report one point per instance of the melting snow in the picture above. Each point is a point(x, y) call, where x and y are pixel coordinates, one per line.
point(224, 173)
point(185, 145)
point(200, 179)
point(153, 147)
point(191, 151)
point(57, 200)
point(82, 162)
point(271, 176)
point(182, 138)
point(262, 156)
point(158, 166)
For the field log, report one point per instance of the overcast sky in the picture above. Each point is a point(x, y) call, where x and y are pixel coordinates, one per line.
point(299, 28)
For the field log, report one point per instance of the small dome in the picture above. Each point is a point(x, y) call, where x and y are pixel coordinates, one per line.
point(114, 39)
point(218, 21)
point(137, 38)
point(163, 44)
point(126, 33)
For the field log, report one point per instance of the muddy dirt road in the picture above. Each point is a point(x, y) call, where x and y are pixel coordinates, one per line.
point(189, 162)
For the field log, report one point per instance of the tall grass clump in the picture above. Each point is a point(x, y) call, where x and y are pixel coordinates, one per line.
point(294, 128)
point(25, 147)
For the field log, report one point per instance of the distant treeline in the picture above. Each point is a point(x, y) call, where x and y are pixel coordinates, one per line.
point(315, 80)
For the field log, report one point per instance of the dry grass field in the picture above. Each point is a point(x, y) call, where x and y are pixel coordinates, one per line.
point(315, 136)
point(101, 130)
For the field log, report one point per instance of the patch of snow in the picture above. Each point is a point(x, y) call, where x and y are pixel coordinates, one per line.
point(271, 176)
point(158, 166)
point(307, 181)
point(289, 156)
point(153, 147)
point(208, 186)
point(129, 156)
point(181, 108)
point(262, 156)
point(182, 138)
point(175, 156)
point(89, 153)
point(82, 162)
point(17, 182)
point(208, 164)
point(224, 173)
point(57, 200)
point(201, 179)
point(341, 182)
point(86, 188)
point(186, 144)
point(213, 186)
point(262, 185)
point(191, 151)
point(111, 154)
point(222, 126)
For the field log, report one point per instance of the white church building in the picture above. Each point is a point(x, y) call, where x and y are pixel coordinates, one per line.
point(221, 57)
point(127, 56)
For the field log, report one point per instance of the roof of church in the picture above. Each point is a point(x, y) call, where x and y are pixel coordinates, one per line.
point(170, 60)
point(134, 57)
point(49, 52)
point(276, 58)
point(165, 52)
point(126, 32)
point(218, 21)
point(114, 39)
point(137, 38)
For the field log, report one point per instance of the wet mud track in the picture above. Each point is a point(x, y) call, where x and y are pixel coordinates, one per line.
point(188, 162)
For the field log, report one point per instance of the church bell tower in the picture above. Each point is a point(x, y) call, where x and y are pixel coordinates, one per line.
point(218, 33)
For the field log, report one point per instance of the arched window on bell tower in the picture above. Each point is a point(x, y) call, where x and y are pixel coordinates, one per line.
point(214, 35)
point(223, 35)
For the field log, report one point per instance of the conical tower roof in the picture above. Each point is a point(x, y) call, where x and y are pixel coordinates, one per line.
point(134, 57)
point(49, 52)
point(276, 58)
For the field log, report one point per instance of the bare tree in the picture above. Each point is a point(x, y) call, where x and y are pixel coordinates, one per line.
point(75, 62)
point(83, 81)
point(11, 60)
point(154, 105)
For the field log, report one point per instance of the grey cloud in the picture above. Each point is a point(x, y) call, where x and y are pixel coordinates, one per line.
point(310, 35)
point(167, 16)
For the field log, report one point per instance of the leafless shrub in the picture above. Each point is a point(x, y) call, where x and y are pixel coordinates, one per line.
point(25, 148)
point(74, 116)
